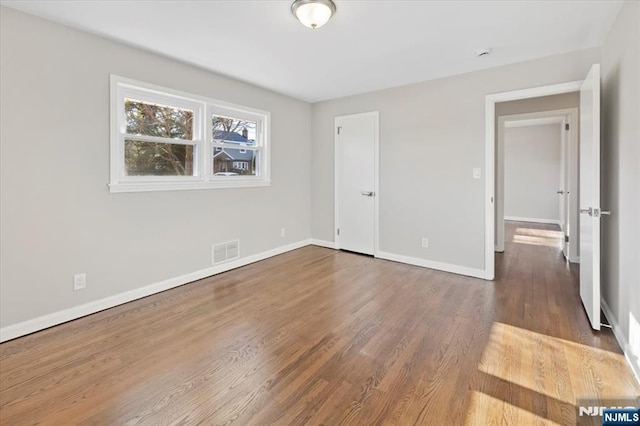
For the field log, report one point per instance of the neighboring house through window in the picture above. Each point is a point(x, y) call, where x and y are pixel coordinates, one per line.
point(238, 150)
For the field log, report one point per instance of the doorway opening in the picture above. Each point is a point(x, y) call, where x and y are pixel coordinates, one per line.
point(490, 157)
point(537, 174)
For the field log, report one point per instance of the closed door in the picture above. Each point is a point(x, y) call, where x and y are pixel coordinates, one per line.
point(590, 212)
point(356, 156)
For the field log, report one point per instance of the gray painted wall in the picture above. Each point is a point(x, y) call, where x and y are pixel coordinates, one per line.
point(621, 175)
point(532, 157)
point(57, 215)
point(431, 137)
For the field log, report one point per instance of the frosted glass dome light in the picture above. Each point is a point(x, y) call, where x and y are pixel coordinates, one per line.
point(313, 13)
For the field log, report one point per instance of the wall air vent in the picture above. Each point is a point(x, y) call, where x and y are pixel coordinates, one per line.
point(225, 252)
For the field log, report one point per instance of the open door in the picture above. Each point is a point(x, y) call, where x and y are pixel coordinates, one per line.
point(590, 195)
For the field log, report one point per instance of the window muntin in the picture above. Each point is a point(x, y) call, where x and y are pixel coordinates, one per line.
point(157, 141)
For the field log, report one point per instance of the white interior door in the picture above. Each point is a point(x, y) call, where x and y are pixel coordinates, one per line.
point(563, 192)
point(356, 146)
point(590, 195)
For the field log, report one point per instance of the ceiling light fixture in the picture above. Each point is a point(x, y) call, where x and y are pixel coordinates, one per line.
point(313, 13)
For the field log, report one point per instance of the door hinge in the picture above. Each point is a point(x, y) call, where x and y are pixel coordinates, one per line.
point(566, 238)
point(338, 231)
point(566, 126)
point(339, 129)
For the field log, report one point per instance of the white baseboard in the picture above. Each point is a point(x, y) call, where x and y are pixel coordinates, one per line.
point(622, 340)
point(440, 266)
point(323, 243)
point(46, 321)
point(532, 219)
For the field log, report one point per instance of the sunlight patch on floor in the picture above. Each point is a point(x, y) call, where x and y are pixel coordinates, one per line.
point(537, 237)
point(550, 366)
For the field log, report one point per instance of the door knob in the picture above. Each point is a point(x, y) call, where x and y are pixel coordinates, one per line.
point(560, 192)
point(367, 193)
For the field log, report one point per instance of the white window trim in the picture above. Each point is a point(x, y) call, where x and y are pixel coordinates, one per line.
point(203, 144)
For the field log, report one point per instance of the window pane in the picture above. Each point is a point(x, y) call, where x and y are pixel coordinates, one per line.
point(234, 162)
point(150, 119)
point(157, 159)
point(233, 131)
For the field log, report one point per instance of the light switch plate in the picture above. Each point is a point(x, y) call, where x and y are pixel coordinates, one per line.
point(477, 173)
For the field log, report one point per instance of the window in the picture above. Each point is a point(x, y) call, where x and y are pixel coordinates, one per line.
point(165, 140)
point(237, 136)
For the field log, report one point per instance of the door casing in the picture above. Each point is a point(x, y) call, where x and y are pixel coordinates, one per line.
point(489, 158)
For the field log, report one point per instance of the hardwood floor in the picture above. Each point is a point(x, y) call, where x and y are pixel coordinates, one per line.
point(317, 336)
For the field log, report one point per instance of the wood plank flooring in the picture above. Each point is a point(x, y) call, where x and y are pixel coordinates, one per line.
point(317, 336)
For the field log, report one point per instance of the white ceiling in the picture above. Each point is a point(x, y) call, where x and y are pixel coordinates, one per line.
point(368, 45)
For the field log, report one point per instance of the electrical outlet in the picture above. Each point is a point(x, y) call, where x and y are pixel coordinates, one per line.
point(425, 242)
point(283, 232)
point(79, 281)
point(477, 173)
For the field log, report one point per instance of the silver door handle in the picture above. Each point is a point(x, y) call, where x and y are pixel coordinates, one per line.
point(368, 193)
point(588, 211)
point(595, 212)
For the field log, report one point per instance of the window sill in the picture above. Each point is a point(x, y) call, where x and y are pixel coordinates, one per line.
point(182, 186)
